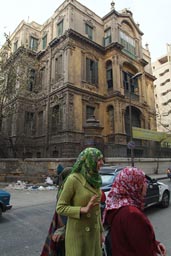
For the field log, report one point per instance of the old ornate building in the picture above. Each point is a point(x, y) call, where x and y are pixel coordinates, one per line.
point(81, 92)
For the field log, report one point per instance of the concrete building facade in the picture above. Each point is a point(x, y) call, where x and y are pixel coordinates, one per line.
point(162, 89)
point(81, 92)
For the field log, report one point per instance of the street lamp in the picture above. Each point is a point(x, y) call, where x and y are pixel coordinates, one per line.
point(131, 144)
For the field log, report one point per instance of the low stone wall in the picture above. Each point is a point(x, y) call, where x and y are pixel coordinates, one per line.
point(36, 170)
point(148, 165)
point(30, 170)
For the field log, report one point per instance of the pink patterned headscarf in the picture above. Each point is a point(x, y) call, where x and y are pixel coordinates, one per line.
point(127, 189)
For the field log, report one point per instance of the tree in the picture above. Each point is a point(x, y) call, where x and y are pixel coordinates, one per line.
point(17, 80)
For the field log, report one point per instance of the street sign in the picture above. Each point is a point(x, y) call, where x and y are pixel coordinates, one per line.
point(131, 145)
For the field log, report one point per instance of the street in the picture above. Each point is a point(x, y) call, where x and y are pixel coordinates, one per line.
point(25, 226)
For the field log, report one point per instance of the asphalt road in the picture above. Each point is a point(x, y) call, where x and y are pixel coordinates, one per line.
point(23, 229)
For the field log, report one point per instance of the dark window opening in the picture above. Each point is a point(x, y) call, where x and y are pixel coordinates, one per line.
point(55, 153)
point(89, 112)
point(89, 31)
point(29, 124)
point(60, 28)
point(33, 43)
point(56, 119)
point(127, 81)
point(44, 42)
point(107, 37)
point(32, 79)
point(91, 71)
point(109, 75)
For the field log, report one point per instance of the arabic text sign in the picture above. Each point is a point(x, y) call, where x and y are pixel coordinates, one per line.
point(145, 134)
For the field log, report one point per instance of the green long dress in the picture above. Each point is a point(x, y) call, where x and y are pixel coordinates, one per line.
point(83, 231)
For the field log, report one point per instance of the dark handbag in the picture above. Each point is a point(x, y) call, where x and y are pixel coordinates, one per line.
point(108, 242)
point(107, 245)
point(60, 248)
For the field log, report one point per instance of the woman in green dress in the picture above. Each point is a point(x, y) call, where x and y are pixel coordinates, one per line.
point(79, 200)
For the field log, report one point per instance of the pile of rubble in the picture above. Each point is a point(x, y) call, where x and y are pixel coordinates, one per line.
point(21, 185)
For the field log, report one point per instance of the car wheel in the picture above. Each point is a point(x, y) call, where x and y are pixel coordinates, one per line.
point(165, 200)
point(0, 211)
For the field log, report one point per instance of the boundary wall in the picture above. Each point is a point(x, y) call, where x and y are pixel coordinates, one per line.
point(36, 170)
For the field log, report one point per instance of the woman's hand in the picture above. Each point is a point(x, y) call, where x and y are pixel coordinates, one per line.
point(93, 202)
point(57, 237)
point(162, 250)
point(59, 234)
point(102, 238)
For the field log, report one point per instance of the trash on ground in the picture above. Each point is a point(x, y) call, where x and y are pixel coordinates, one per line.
point(22, 185)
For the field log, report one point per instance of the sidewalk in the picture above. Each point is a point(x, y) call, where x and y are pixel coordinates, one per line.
point(160, 176)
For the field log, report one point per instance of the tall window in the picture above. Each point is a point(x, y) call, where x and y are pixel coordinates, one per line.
point(40, 123)
point(109, 75)
point(56, 119)
point(58, 68)
point(29, 124)
point(33, 43)
point(60, 28)
point(32, 79)
point(91, 71)
point(89, 111)
point(126, 80)
point(44, 42)
point(42, 78)
point(136, 119)
point(107, 37)
point(89, 31)
point(128, 43)
point(110, 112)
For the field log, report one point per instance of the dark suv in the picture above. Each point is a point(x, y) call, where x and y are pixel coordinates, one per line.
point(4, 201)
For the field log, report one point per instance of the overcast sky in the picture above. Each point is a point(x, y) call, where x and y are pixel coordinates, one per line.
point(153, 16)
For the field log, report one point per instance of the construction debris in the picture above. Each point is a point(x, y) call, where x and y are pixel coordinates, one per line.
point(22, 185)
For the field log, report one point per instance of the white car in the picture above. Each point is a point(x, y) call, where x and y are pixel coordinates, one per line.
point(157, 192)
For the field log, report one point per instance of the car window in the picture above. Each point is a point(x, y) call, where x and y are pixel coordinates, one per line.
point(108, 169)
point(107, 179)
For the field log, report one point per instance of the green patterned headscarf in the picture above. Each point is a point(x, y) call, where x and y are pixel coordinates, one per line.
point(86, 164)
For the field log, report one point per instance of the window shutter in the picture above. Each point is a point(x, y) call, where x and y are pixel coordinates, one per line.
point(88, 70)
point(96, 72)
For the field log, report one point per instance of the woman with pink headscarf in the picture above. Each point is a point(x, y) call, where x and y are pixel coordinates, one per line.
point(132, 233)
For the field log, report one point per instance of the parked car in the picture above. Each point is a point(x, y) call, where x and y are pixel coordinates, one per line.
point(4, 201)
point(157, 192)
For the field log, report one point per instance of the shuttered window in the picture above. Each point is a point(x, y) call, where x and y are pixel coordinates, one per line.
point(91, 71)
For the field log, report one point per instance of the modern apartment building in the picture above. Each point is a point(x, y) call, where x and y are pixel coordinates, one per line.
point(81, 93)
point(162, 89)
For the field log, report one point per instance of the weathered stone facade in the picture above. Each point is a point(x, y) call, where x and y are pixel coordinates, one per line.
point(81, 93)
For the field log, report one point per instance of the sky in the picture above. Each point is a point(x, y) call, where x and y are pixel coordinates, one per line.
point(153, 17)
